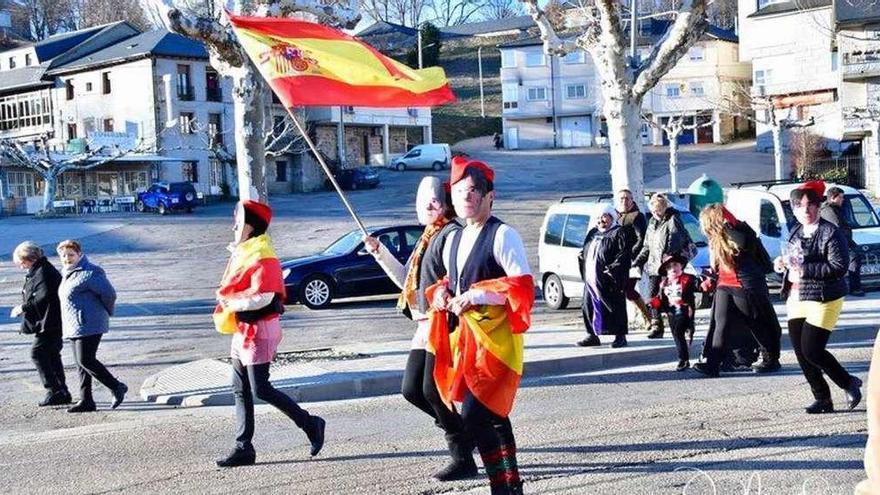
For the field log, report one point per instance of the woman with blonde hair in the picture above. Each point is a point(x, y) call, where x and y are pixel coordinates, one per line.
point(742, 297)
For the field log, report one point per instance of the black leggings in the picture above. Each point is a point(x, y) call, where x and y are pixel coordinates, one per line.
point(681, 325)
point(84, 351)
point(253, 381)
point(420, 390)
point(809, 344)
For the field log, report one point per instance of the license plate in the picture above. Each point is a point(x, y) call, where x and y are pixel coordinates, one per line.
point(175, 200)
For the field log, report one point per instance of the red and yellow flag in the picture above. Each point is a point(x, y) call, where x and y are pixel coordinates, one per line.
point(309, 64)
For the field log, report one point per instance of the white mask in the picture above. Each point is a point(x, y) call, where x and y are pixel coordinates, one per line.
point(430, 200)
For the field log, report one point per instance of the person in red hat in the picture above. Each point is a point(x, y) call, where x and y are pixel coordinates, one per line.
point(251, 295)
point(481, 310)
point(677, 298)
point(814, 267)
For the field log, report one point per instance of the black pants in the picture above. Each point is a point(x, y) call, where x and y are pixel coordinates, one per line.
point(855, 269)
point(681, 324)
point(418, 387)
point(494, 438)
point(809, 344)
point(84, 351)
point(253, 381)
point(46, 355)
point(735, 308)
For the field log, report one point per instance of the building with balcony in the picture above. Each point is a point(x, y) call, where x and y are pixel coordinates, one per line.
point(557, 102)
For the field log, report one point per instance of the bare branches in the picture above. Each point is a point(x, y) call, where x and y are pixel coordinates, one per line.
point(553, 44)
point(340, 13)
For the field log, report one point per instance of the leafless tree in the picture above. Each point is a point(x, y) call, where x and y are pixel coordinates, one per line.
point(96, 12)
point(673, 128)
point(502, 9)
point(403, 12)
point(51, 165)
point(454, 12)
point(624, 78)
point(230, 60)
point(43, 18)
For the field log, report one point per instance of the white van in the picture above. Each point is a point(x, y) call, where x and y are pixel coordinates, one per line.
point(432, 156)
point(766, 208)
point(563, 232)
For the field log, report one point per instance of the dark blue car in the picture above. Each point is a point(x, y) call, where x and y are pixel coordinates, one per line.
point(355, 178)
point(346, 269)
point(163, 198)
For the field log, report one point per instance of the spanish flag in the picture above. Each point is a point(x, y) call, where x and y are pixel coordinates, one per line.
point(309, 64)
point(485, 353)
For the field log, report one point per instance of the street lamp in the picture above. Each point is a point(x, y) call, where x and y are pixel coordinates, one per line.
point(480, 63)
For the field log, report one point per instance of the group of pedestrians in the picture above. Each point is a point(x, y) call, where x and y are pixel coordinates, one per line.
point(75, 304)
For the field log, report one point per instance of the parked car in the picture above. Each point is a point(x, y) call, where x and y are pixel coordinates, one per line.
point(355, 178)
point(562, 235)
point(766, 208)
point(432, 156)
point(163, 197)
point(346, 269)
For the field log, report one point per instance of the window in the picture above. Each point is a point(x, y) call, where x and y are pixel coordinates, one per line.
point(216, 173)
point(391, 240)
point(859, 212)
point(537, 94)
point(575, 57)
point(25, 110)
point(696, 88)
point(190, 171)
point(71, 131)
point(212, 85)
point(535, 59)
point(508, 59)
point(769, 220)
point(764, 3)
point(673, 90)
point(21, 184)
point(88, 87)
point(108, 124)
point(215, 127)
point(11, 62)
point(575, 231)
point(187, 123)
point(411, 237)
point(280, 171)
point(553, 234)
point(105, 83)
point(510, 95)
point(834, 61)
point(134, 182)
point(762, 79)
point(184, 83)
point(696, 53)
point(27, 60)
point(68, 88)
point(575, 91)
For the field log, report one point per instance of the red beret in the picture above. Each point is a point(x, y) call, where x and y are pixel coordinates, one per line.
point(460, 164)
point(815, 185)
point(261, 210)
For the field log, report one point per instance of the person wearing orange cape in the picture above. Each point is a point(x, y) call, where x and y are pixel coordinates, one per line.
point(480, 311)
point(250, 304)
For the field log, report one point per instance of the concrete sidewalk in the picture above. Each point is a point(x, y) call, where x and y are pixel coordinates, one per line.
point(377, 369)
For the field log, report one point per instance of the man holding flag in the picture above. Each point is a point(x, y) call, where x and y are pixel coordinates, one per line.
point(486, 302)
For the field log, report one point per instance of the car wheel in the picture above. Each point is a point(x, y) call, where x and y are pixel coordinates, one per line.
point(162, 209)
point(401, 167)
point(554, 296)
point(316, 292)
point(140, 206)
point(436, 166)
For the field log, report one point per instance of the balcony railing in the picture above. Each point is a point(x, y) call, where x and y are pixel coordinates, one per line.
point(861, 64)
point(186, 93)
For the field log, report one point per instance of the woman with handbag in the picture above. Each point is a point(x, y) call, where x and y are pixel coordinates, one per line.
point(250, 304)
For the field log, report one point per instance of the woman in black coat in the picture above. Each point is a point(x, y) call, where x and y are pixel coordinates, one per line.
point(41, 317)
point(605, 263)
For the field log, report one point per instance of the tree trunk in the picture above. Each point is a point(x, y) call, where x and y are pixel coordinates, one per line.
point(776, 130)
point(625, 146)
point(50, 180)
point(673, 161)
point(4, 184)
point(250, 151)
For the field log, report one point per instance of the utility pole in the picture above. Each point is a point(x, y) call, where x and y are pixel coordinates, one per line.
point(419, 45)
point(632, 31)
point(480, 63)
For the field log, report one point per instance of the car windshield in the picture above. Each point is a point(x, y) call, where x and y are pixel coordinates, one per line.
point(693, 227)
point(344, 244)
point(858, 212)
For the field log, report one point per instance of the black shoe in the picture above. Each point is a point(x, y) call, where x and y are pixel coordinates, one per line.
point(768, 366)
point(238, 457)
point(854, 393)
point(821, 406)
point(705, 369)
point(683, 365)
point(82, 406)
point(656, 334)
point(56, 398)
point(119, 395)
point(590, 341)
point(857, 293)
point(619, 341)
point(457, 469)
point(316, 434)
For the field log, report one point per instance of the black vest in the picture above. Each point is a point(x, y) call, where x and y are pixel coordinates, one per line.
point(481, 264)
point(431, 267)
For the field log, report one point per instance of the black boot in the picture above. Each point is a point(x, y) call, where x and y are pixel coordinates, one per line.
point(56, 398)
point(513, 488)
point(316, 434)
point(592, 340)
point(853, 393)
point(706, 369)
point(821, 406)
point(119, 395)
point(683, 365)
point(619, 341)
point(656, 325)
point(462, 465)
point(82, 406)
point(238, 457)
point(767, 364)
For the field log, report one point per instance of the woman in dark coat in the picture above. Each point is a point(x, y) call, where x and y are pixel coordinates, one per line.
point(605, 263)
point(41, 317)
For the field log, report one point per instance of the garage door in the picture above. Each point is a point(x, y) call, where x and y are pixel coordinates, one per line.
point(577, 132)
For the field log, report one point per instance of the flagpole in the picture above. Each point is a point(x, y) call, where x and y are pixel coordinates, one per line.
point(327, 171)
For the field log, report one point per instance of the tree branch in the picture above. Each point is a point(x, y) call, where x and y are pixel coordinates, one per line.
point(340, 13)
point(553, 44)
